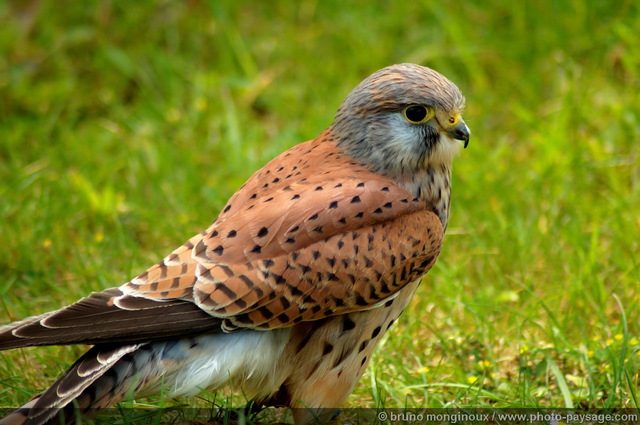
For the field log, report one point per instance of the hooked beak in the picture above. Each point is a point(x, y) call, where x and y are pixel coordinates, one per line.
point(460, 131)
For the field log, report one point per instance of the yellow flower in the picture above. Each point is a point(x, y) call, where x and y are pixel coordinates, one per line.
point(201, 104)
point(485, 363)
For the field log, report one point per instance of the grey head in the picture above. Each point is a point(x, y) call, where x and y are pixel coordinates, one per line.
point(402, 119)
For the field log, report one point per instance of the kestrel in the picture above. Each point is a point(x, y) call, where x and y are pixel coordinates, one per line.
point(287, 293)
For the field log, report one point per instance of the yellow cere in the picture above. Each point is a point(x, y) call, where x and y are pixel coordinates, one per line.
point(454, 119)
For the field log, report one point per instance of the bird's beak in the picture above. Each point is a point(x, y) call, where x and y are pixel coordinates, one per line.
point(460, 131)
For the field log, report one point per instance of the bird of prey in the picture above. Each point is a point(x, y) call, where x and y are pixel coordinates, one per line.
point(287, 293)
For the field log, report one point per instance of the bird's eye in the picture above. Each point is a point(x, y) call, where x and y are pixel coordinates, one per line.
point(417, 114)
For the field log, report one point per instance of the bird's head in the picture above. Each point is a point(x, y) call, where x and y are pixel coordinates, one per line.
point(402, 119)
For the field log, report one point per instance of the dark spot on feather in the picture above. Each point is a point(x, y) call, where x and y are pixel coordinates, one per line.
point(347, 324)
point(218, 250)
point(226, 291)
point(257, 249)
point(227, 208)
point(373, 295)
point(266, 313)
point(426, 262)
point(390, 323)
point(294, 290)
point(279, 279)
point(333, 205)
point(363, 345)
point(283, 318)
point(385, 290)
point(268, 263)
point(263, 232)
point(376, 331)
point(355, 199)
point(232, 234)
point(249, 284)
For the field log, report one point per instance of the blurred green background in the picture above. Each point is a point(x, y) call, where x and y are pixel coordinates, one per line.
point(126, 125)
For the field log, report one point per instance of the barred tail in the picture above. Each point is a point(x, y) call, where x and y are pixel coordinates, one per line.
point(100, 378)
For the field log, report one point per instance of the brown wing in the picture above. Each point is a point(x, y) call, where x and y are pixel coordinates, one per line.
point(97, 320)
point(310, 235)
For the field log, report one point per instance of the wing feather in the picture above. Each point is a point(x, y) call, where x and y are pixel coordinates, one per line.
point(106, 317)
point(310, 235)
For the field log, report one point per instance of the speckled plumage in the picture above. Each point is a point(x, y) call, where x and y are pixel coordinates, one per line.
point(286, 294)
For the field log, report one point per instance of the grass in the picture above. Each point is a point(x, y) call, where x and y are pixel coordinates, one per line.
point(125, 126)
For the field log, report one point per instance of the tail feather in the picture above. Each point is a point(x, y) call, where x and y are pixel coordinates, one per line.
point(97, 380)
